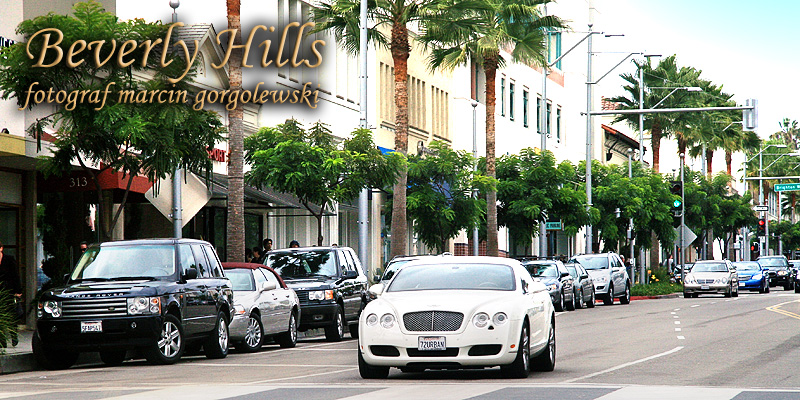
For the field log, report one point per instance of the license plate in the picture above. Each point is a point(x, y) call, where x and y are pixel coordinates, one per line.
point(741, 283)
point(91, 326)
point(704, 287)
point(428, 343)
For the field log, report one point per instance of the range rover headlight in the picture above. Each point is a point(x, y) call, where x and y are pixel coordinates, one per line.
point(51, 307)
point(480, 320)
point(320, 295)
point(144, 305)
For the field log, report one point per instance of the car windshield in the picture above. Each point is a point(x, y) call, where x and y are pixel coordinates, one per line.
point(303, 264)
point(542, 270)
point(773, 262)
point(241, 279)
point(454, 277)
point(392, 268)
point(593, 262)
point(709, 267)
point(747, 266)
point(126, 262)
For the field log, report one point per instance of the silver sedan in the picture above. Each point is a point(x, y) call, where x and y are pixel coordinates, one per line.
point(711, 277)
point(263, 307)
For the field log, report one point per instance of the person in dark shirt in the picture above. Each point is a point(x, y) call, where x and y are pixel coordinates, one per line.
point(9, 281)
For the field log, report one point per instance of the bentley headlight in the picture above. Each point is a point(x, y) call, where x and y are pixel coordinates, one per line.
point(51, 308)
point(144, 305)
point(481, 320)
point(387, 320)
point(500, 318)
point(372, 320)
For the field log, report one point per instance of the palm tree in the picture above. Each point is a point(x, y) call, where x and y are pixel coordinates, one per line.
point(665, 75)
point(704, 133)
point(789, 133)
point(341, 17)
point(235, 230)
point(517, 26)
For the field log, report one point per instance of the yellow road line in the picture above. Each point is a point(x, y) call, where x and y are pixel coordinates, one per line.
point(776, 309)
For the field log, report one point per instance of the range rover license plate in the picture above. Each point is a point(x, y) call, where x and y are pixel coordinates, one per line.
point(91, 326)
point(427, 343)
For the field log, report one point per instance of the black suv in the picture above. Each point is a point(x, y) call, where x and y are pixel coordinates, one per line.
point(779, 271)
point(329, 283)
point(157, 296)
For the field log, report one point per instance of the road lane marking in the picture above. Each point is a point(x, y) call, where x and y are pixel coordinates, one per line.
point(673, 313)
point(677, 322)
point(628, 364)
point(776, 309)
point(681, 338)
point(677, 329)
point(276, 365)
point(675, 316)
point(303, 349)
point(677, 309)
point(696, 305)
point(301, 376)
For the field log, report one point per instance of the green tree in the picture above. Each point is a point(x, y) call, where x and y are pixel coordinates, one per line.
point(308, 165)
point(132, 139)
point(532, 189)
point(499, 25)
point(440, 200)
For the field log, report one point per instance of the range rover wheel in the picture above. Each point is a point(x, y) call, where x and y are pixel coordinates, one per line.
point(51, 359)
point(169, 346)
point(254, 337)
point(335, 332)
point(216, 345)
point(113, 358)
point(520, 368)
point(609, 298)
point(289, 338)
point(369, 371)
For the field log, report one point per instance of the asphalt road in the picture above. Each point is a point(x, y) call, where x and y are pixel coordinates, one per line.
point(705, 348)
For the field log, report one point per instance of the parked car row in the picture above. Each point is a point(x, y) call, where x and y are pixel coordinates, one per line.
point(160, 298)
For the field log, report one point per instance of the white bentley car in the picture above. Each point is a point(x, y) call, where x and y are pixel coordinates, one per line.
point(459, 313)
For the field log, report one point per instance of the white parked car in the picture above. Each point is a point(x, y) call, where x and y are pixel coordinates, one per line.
point(459, 312)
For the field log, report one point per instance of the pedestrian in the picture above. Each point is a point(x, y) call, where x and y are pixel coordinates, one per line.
point(257, 253)
point(267, 245)
point(248, 254)
point(294, 244)
point(10, 283)
point(83, 247)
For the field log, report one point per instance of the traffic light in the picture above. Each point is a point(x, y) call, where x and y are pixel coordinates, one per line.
point(762, 227)
point(676, 189)
point(755, 250)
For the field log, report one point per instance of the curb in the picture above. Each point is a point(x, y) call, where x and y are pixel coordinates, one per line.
point(663, 296)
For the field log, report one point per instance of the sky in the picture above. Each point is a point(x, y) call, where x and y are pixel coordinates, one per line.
point(750, 48)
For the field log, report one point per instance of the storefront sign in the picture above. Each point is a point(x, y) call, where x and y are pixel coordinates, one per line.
point(218, 155)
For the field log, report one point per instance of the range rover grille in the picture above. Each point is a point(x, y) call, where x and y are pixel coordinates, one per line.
point(94, 308)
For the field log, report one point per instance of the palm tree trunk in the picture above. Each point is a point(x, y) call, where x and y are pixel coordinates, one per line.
point(729, 161)
point(490, 65)
point(235, 231)
point(709, 158)
point(400, 49)
point(793, 202)
point(655, 143)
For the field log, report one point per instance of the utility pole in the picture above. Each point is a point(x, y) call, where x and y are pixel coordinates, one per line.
point(589, 130)
point(630, 224)
point(475, 238)
point(543, 125)
point(363, 197)
point(177, 201)
point(683, 219)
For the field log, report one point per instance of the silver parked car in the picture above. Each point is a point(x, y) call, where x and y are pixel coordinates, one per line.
point(584, 285)
point(609, 275)
point(263, 307)
point(711, 276)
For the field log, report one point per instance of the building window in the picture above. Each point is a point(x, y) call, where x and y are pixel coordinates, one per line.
point(511, 100)
point(502, 97)
point(525, 108)
point(539, 114)
point(558, 124)
point(547, 120)
point(554, 48)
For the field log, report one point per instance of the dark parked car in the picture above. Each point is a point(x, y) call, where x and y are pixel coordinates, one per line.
point(779, 272)
point(158, 296)
point(583, 286)
point(559, 282)
point(329, 283)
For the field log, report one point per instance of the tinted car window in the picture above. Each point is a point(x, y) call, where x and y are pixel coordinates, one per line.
point(259, 277)
point(303, 264)
point(773, 262)
point(710, 267)
point(241, 279)
point(593, 262)
point(202, 262)
point(111, 262)
point(454, 277)
point(747, 266)
point(186, 258)
point(213, 264)
point(270, 277)
point(543, 270)
point(392, 268)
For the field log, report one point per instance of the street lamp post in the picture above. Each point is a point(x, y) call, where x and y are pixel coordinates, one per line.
point(177, 201)
point(760, 188)
point(631, 239)
point(474, 104)
point(363, 196)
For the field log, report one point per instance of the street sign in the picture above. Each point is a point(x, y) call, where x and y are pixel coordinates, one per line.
point(760, 208)
point(553, 226)
point(785, 187)
point(688, 236)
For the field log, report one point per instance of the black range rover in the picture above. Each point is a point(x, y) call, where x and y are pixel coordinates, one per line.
point(329, 283)
point(156, 296)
